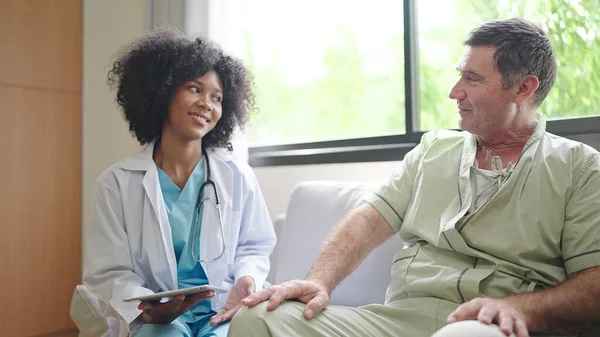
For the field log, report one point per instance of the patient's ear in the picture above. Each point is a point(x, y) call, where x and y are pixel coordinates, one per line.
point(527, 87)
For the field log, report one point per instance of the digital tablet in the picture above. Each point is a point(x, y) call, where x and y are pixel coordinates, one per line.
point(172, 293)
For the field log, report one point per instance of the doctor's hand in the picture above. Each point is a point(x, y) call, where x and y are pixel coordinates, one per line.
point(492, 310)
point(312, 293)
point(242, 288)
point(163, 313)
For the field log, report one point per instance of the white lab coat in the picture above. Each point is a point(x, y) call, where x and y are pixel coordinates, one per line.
point(129, 248)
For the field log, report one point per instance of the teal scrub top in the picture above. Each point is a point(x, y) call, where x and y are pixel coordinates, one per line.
point(180, 205)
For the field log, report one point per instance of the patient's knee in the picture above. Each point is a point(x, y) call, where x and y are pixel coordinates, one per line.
point(257, 321)
point(250, 322)
point(470, 329)
point(247, 316)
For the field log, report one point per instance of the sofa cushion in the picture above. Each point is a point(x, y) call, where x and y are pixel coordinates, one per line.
point(314, 207)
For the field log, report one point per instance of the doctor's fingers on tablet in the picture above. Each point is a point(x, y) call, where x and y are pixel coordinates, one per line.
point(191, 300)
point(178, 304)
point(149, 306)
point(161, 313)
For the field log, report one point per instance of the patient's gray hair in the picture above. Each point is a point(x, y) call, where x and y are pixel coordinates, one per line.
point(522, 48)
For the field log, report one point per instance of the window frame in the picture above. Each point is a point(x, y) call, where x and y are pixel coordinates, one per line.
point(385, 148)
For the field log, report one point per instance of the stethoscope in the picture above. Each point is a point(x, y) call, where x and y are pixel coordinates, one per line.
point(201, 200)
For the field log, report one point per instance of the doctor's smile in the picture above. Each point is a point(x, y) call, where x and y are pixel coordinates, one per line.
point(199, 118)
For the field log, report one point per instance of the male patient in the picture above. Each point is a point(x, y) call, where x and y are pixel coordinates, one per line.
point(502, 220)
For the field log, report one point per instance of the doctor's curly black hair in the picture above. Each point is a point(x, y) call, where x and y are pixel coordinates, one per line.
point(147, 72)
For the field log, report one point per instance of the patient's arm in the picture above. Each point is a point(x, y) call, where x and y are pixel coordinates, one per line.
point(569, 308)
point(349, 243)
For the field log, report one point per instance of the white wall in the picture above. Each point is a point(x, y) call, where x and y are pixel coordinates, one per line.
point(107, 25)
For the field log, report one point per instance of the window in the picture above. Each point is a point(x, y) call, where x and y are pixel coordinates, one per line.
point(343, 81)
point(325, 70)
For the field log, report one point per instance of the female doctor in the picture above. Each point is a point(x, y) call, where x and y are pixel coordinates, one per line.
point(182, 212)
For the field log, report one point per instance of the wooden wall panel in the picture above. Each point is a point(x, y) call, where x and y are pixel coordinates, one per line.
point(40, 209)
point(40, 151)
point(41, 43)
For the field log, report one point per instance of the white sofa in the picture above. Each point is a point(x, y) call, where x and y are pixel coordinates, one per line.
point(314, 207)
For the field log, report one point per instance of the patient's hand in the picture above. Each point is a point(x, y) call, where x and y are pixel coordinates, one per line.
point(242, 288)
point(314, 294)
point(492, 310)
